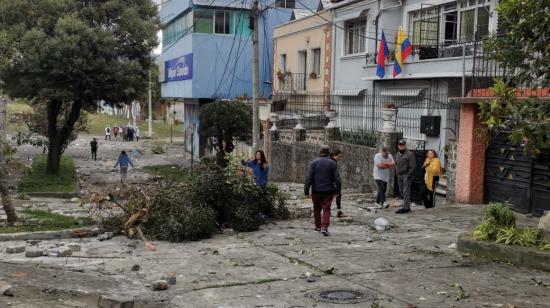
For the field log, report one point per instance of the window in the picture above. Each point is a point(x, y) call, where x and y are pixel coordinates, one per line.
point(288, 4)
point(176, 29)
point(462, 21)
point(317, 61)
point(224, 22)
point(203, 21)
point(355, 31)
point(282, 64)
point(425, 25)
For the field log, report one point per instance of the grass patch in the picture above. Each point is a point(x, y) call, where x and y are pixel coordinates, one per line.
point(97, 123)
point(169, 172)
point(39, 220)
point(36, 179)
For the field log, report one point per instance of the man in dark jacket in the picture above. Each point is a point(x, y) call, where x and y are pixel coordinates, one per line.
point(324, 181)
point(405, 165)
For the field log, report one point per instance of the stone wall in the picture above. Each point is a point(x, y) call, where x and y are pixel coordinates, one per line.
point(289, 161)
point(451, 170)
point(356, 166)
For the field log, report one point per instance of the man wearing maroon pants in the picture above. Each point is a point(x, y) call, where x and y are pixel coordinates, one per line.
point(324, 181)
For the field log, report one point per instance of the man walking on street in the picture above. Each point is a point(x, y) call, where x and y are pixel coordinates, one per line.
point(93, 146)
point(406, 164)
point(324, 181)
point(383, 163)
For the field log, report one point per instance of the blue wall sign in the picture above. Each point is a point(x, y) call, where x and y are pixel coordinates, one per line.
point(179, 69)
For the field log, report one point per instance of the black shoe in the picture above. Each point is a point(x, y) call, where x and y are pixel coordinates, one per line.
point(340, 214)
point(325, 232)
point(317, 230)
point(402, 211)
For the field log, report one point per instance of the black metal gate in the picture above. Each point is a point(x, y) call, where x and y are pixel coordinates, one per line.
point(511, 175)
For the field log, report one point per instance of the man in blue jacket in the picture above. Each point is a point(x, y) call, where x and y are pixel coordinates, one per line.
point(324, 181)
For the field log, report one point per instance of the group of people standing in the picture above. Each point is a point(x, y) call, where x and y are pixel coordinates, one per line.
point(324, 184)
point(128, 133)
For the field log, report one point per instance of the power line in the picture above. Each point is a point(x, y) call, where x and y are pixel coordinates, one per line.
point(229, 55)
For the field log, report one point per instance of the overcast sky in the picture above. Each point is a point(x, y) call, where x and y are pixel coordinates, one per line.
point(158, 50)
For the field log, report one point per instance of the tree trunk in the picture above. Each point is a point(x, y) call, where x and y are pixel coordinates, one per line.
point(58, 137)
point(7, 204)
point(54, 158)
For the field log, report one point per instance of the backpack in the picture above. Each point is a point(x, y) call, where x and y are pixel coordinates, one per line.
point(108, 130)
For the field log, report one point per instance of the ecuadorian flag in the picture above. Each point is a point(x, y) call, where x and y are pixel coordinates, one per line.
point(402, 50)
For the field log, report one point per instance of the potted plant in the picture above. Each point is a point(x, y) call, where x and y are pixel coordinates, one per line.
point(312, 75)
point(280, 75)
point(389, 115)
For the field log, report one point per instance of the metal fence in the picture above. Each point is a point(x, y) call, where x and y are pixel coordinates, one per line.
point(485, 69)
point(360, 114)
point(292, 81)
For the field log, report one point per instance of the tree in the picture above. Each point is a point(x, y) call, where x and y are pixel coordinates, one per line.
point(521, 46)
point(36, 122)
point(524, 122)
point(6, 152)
point(522, 42)
point(226, 122)
point(68, 54)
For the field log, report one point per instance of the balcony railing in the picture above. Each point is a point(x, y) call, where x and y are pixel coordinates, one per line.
point(426, 52)
point(292, 81)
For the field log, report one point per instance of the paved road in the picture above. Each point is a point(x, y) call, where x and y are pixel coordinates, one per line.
point(412, 264)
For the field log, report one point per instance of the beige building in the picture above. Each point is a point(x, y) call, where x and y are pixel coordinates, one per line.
point(302, 54)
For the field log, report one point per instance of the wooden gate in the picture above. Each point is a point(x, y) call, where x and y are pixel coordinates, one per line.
point(511, 175)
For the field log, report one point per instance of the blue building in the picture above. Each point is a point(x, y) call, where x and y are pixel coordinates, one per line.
point(207, 52)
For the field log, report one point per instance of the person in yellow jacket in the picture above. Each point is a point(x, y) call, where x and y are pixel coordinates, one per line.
point(432, 166)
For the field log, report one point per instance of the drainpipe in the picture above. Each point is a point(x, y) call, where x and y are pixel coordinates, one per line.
point(333, 56)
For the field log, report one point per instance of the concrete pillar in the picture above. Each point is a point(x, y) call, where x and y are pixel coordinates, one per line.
point(470, 167)
point(332, 134)
point(451, 170)
point(298, 134)
point(389, 140)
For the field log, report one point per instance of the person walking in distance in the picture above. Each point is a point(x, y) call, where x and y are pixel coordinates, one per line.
point(383, 163)
point(137, 133)
point(405, 165)
point(323, 180)
point(432, 166)
point(108, 133)
point(336, 155)
point(123, 161)
point(93, 146)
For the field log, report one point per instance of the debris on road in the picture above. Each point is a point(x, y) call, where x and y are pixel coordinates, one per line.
point(160, 285)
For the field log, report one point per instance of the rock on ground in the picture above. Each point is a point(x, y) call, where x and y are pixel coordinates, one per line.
point(15, 249)
point(160, 285)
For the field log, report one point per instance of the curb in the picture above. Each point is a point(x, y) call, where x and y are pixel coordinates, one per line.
point(50, 235)
point(60, 195)
point(530, 257)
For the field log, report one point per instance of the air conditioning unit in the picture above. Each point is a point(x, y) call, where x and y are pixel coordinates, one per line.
point(430, 125)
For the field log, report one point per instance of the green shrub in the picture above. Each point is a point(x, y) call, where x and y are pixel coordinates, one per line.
point(502, 214)
point(497, 215)
point(518, 236)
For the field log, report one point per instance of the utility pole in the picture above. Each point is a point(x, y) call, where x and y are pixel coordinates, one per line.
point(3, 124)
point(150, 118)
point(255, 76)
